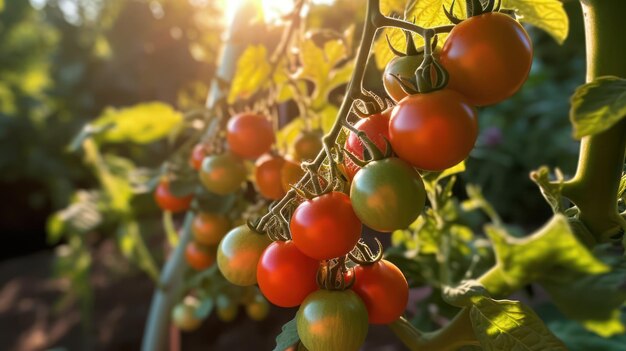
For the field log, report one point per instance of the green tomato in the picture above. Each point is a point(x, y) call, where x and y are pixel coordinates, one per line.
point(332, 320)
point(227, 309)
point(183, 315)
point(387, 194)
point(258, 309)
point(402, 66)
point(238, 254)
point(222, 174)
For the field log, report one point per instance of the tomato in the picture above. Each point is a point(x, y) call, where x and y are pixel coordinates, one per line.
point(433, 131)
point(268, 176)
point(290, 174)
point(387, 195)
point(258, 309)
point(249, 135)
point(384, 290)
point(222, 174)
point(286, 276)
point(332, 320)
point(308, 145)
point(238, 255)
point(488, 58)
point(168, 201)
point(227, 308)
point(376, 127)
point(403, 66)
point(209, 228)
point(326, 226)
point(198, 257)
point(197, 156)
point(183, 315)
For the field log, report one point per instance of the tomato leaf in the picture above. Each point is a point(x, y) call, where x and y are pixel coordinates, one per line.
point(607, 328)
point(252, 73)
point(598, 105)
point(551, 190)
point(463, 294)
point(547, 15)
point(510, 325)
point(288, 336)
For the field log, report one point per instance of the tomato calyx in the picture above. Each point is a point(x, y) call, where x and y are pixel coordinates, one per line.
point(334, 275)
point(363, 255)
point(473, 8)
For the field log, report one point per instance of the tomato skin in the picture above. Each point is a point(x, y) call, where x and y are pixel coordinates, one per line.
point(326, 226)
point(286, 276)
point(222, 174)
point(403, 66)
point(249, 135)
point(376, 127)
point(168, 201)
point(209, 228)
point(488, 58)
point(183, 315)
point(308, 145)
point(332, 320)
point(198, 257)
point(290, 174)
point(384, 290)
point(197, 156)
point(433, 131)
point(238, 254)
point(387, 195)
point(258, 309)
point(268, 176)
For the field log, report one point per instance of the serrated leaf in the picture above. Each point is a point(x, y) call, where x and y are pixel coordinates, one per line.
point(607, 328)
point(547, 15)
point(598, 105)
point(252, 73)
point(512, 326)
point(287, 337)
point(142, 123)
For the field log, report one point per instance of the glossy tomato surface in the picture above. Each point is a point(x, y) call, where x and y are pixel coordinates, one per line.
point(209, 229)
point(384, 290)
point(249, 135)
point(222, 174)
point(268, 176)
point(376, 127)
point(238, 255)
point(168, 201)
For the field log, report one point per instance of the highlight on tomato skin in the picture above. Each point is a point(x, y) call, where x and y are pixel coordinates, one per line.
point(168, 201)
point(249, 135)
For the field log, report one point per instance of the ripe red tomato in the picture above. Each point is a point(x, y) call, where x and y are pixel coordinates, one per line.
point(384, 290)
point(268, 176)
point(326, 226)
point(198, 257)
point(290, 174)
point(376, 127)
point(308, 145)
point(249, 135)
point(222, 174)
point(488, 58)
point(197, 156)
point(209, 228)
point(168, 202)
point(285, 275)
point(433, 131)
point(238, 255)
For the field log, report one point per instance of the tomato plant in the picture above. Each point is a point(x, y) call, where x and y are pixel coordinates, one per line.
point(268, 176)
point(209, 228)
point(307, 145)
point(238, 254)
point(168, 201)
point(249, 135)
point(290, 174)
point(199, 257)
point(376, 127)
point(197, 156)
point(222, 174)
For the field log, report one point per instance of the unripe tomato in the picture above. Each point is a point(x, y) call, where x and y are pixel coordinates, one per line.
point(488, 58)
point(222, 174)
point(268, 176)
point(183, 315)
point(376, 127)
point(197, 156)
point(285, 275)
point(433, 131)
point(290, 174)
point(249, 135)
point(325, 227)
point(238, 255)
point(258, 309)
point(332, 320)
point(384, 290)
point(209, 228)
point(198, 257)
point(168, 201)
point(387, 194)
point(308, 145)
point(227, 308)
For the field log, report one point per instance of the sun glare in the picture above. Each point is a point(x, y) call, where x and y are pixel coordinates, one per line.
point(272, 9)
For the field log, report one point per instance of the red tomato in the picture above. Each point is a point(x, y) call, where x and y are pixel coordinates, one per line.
point(383, 289)
point(285, 275)
point(168, 202)
point(326, 226)
point(197, 156)
point(198, 257)
point(249, 135)
point(488, 58)
point(433, 131)
point(268, 176)
point(376, 127)
point(209, 228)
point(290, 174)
point(308, 145)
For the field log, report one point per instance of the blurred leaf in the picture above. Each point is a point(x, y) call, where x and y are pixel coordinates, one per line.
point(551, 190)
point(598, 105)
point(210, 202)
point(579, 339)
point(143, 123)
point(133, 246)
point(388, 7)
point(287, 337)
point(607, 328)
point(205, 308)
point(80, 217)
point(547, 15)
point(510, 325)
point(252, 73)
point(463, 294)
point(183, 186)
point(88, 131)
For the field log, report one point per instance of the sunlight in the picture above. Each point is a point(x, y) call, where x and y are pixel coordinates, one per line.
point(272, 9)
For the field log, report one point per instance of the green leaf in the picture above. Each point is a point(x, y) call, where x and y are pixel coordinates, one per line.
point(463, 294)
point(598, 105)
point(510, 325)
point(252, 73)
point(142, 124)
point(547, 15)
point(80, 217)
point(287, 337)
point(550, 189)
point(389, 7)
point(607, 328)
